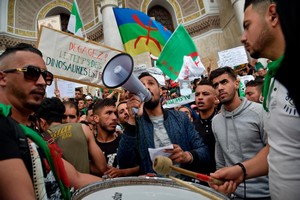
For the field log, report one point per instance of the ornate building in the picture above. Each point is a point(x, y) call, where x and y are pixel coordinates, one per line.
point(214, 25)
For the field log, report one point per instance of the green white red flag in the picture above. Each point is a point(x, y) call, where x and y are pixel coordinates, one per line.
point(75, 23)
point(179, 58)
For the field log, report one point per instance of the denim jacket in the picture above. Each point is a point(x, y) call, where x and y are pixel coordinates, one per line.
point(135, 141)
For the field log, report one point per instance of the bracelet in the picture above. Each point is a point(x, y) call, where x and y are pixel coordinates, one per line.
point(244, 179)
point(243, 168)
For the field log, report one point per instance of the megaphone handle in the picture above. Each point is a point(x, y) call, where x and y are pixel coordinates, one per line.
point(135, 111)
point(142, 97)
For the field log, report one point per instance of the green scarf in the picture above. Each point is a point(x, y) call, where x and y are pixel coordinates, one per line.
point(272, 70)
point(34, 136)
point(4, 110)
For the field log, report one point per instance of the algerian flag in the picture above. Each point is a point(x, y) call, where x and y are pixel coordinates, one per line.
point(75, 23)
point(174, 56)
point(191, 69)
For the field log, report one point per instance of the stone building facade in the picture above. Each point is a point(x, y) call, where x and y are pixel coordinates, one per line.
point(214, 25)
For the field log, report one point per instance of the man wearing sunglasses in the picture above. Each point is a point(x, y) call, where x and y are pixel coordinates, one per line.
point(33, 73)
point(26, 160)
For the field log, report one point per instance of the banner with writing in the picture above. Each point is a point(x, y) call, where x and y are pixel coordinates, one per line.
point(233, 57)
point(72, 58)
point(172, 103)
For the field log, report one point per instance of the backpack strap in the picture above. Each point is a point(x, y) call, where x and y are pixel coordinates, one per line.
point(5, 111)
point(23, 145)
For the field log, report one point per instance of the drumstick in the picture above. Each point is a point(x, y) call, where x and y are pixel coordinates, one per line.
point(163, 165)
point(194, 188)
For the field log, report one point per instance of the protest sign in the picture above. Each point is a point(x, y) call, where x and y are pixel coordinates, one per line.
point(72, 58)
point(66, 89)
point(233, 57)
point(172, 103)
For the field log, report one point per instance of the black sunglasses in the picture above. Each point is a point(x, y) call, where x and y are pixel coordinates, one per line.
point(33, 73)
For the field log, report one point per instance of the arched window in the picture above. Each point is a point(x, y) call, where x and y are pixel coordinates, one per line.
point(64, 16)
point(162, 16)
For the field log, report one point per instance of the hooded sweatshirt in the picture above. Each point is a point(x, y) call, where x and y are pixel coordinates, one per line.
point(240, 136)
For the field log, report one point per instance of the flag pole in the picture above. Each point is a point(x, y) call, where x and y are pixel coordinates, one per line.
point(84, 33)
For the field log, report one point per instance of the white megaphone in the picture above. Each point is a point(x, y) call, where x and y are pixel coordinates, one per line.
point(118, 72)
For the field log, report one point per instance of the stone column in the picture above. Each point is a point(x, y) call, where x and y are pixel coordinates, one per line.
point(3, 22)
point(238, 6)
point(111, 32)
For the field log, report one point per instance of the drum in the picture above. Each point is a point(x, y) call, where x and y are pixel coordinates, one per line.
point(141, 188)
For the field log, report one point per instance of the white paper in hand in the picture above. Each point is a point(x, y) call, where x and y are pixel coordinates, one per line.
point(154, 152)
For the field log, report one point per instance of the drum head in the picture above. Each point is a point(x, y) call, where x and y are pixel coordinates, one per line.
point(141, 188)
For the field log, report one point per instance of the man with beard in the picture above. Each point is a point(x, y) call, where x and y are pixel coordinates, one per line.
point(78, 95)
point(27, 167)
point(155, 127)
point(107, 139)
point(280, 159)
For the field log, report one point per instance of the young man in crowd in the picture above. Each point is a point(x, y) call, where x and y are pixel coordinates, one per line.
point(122, 114)
point(156, 127)
point(239, 131)
point(78, 94)
point(254, 90)
point(88, 100)
point(76, 140)
point(260, 70)
point(263, 37)
point(90, 119)
point(187, 111)
point(23, 81)
point(81, 107)
point(207, 102)
point(164, 97)
point(71, 114)
point(107, 137)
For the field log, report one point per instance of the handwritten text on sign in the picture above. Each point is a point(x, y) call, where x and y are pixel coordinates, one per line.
point(73, 58)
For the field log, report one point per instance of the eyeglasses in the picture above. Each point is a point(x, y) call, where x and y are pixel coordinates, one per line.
point(70, 116)
point(33, 73)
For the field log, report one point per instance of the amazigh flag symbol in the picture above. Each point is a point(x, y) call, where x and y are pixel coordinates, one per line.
point(140, 33)
point(179, 46)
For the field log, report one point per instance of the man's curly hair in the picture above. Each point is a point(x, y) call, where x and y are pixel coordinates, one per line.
point(51, 109)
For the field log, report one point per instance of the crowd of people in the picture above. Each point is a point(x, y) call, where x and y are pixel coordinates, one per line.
point(243, 131)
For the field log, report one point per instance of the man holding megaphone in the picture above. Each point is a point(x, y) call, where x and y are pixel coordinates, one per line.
point(155, 127)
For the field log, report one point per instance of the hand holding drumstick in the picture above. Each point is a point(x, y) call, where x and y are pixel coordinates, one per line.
point(163, 165)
